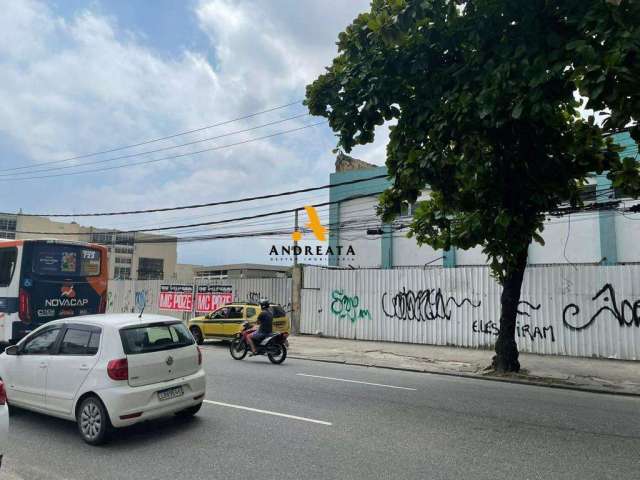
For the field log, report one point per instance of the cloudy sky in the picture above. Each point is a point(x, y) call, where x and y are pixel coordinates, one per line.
point(79, 77)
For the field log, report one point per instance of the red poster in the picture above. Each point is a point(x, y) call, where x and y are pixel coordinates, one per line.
point(211, 297)
point(176, 297)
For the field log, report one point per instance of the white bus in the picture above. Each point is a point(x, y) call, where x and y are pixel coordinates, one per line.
point(42, 280)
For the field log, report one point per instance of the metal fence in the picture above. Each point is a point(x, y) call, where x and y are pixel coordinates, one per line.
point(131, 295)
point(564, 310)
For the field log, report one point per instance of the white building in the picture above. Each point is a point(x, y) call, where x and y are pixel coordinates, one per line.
point(605, 237)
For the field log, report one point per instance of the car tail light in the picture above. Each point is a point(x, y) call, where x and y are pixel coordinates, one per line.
point(118, 369)
point(24, 310)
point(102, 308)
point(199, 355)
point(3, 393)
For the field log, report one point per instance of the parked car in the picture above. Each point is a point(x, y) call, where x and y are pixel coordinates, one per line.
point(4, 421)
point(226, 322)
point(106, 371)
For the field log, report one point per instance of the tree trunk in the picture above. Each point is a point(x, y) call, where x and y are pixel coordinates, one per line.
point(506, 357)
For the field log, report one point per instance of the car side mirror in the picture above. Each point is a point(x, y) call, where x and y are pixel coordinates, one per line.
point(12, 350)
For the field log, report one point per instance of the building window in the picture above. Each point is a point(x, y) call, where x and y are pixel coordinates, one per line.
point(212, 273)
point(8, 227)
point(122, 273)
point(8, 224)
point(409, 209)
point(588, 193)
point(150, 268)
point(125, 260)
point(127, 250)
point(125, 238)
point(102, 238)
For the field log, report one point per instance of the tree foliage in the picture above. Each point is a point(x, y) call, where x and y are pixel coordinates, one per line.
point(482, 98)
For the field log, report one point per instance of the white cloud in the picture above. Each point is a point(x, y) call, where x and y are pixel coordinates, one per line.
point(84, 83)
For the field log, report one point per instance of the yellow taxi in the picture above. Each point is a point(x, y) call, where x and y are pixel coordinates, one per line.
point(225, 322)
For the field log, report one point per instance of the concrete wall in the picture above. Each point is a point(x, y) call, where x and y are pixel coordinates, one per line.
point(367, 247)
point(407, 253)
point(42, 224)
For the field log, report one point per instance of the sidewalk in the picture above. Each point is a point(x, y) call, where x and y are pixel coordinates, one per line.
point(600, 375)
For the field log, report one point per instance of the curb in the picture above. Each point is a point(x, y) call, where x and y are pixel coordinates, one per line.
point(601, 391)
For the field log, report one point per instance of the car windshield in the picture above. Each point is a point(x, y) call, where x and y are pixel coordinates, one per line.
point(155, 337)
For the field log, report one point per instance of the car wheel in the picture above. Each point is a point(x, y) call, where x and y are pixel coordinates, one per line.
point(197, 334)
point(93, 421)
point(189, 412)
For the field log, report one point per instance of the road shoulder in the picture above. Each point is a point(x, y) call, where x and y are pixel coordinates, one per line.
point(585, 374)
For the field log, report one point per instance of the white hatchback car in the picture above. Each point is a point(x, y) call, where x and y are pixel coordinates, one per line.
point(105, 371)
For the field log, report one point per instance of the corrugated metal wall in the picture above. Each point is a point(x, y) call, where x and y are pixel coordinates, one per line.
point(564, 310)
point(129, 295)
point(276, 290)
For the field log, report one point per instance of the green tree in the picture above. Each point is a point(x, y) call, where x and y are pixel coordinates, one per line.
point(482, 98)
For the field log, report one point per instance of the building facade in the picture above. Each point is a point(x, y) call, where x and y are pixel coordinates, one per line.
point(239, 270)
point(600, 237)
point(131, 256)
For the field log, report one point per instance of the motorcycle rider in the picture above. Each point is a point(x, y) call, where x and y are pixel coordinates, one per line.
point(265, 323)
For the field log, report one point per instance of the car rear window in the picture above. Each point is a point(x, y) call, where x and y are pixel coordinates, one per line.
point(155, 337)
point(277, 311)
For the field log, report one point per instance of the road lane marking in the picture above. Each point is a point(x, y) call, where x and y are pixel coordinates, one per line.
point(267, 412)
point(355, 381)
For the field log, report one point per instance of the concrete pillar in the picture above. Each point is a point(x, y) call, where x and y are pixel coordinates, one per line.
point(607, 223)
point(449, 258)
point(334, 233)
point(386, 246)
point(297, 277)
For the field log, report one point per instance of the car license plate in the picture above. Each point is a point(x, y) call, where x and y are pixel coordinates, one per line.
point(170, 393)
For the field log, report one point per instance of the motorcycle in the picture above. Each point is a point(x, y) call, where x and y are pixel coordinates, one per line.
point(274, 346)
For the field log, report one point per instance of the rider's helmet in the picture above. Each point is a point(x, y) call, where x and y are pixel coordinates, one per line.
point(264, 304)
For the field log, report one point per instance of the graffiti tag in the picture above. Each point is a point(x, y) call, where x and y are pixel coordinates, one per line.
point(254, 297)
point(627, 314)
point(529, 305)
point(345, 306)
point(423, 305)
point(522, 331)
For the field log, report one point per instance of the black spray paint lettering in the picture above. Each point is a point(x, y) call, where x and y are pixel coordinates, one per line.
point(423, 305)
point(524, 303)
point(526, 330)
point(627, 314)
point(254, 297)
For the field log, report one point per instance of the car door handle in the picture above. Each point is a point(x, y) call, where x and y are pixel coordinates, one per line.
point(84, 367)
point(43, 365)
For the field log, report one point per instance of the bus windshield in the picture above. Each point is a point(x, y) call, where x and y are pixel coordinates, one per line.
point(61, 260)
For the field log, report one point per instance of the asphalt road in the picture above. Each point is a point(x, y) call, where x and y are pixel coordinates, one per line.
point(434, 427)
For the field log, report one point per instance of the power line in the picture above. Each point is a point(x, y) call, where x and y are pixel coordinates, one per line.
point(147, 142)
point(163, 149)
point(201, 224)
point(171, 157)
point(202, 205)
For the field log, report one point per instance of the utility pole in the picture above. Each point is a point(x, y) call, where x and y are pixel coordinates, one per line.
point(295, 240)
